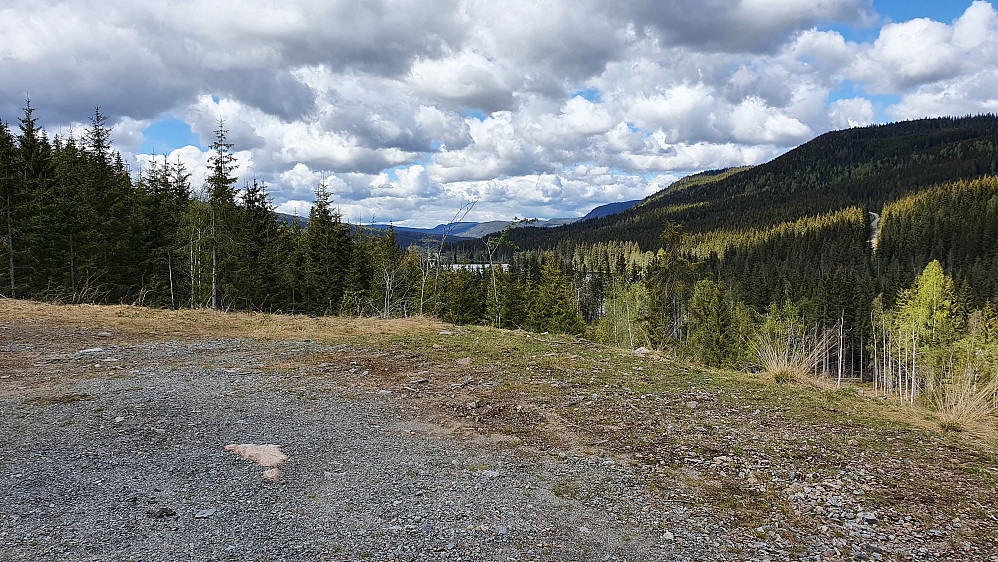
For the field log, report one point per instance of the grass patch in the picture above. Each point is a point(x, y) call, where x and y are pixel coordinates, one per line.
point(964, 405)
point(569, 489)
point(135, 323)
point(784, 377)
point(748, 506)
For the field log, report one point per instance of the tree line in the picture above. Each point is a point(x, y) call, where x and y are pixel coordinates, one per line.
point(78, 226)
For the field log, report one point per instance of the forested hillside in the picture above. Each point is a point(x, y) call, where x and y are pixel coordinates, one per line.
point(798, 228)
point(865, 167)
point(867, 253)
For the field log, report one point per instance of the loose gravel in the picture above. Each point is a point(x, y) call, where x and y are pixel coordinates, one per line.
point(125, 460)
point(117, 452)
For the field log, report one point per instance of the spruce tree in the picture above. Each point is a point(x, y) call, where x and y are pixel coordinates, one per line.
point(669, 279)
point(257, 280)
point(10, 202)
point(101, 207)
point(34, 184)
point(553, 308)
point(357, 286)
point(163, 196)
point(712, 336)
point(326, 256)
point(75, 259)
point(463, 296)
point(221, 204)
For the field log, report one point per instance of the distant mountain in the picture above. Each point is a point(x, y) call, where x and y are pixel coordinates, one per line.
point(406, 237)
point(467, 230)
point(610, 209)
point(403, 235)
point(478, 230)
point(292, 219)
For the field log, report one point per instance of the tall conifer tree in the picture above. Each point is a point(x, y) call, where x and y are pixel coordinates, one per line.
point(221, 200)
point(33, 167)
point(9, 199)
point(326, 252)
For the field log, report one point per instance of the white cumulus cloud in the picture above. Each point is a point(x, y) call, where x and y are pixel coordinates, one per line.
point(409, 109)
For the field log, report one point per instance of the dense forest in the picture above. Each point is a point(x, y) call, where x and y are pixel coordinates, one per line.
point(867, 254)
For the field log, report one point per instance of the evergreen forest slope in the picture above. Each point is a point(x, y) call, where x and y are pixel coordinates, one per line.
point(865, 167)
point(805, 214)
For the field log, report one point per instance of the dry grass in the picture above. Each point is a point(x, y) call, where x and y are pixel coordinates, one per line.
point(789, 358)
point(145, 323)
point(965, 406)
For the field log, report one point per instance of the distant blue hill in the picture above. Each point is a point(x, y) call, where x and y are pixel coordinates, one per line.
point(458, 231)
point(610, 209)
point(403, 235)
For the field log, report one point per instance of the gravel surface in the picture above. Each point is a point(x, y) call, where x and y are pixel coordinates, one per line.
point(125, 460)
point(118, 452)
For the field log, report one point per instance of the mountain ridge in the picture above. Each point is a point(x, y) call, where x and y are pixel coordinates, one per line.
point(471, 230)
point(867, 166)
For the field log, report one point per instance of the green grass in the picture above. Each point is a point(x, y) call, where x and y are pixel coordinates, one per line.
point(567, 489)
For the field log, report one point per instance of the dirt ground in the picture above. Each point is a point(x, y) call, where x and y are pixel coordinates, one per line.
point(412, 440)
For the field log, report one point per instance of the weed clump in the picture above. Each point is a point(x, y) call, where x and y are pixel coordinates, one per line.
point(784, 377)
point(787, 351)
point(966, 402)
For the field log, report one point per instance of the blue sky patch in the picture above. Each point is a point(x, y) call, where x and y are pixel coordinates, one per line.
point(591, 94)
point(944, 11)
point(475, 114)
point(897, 11)
point(166, 135)
point(849, 89)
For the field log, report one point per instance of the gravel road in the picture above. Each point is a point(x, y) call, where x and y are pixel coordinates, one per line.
point(118, 454)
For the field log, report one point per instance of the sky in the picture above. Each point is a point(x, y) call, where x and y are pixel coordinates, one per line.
point(412, 110)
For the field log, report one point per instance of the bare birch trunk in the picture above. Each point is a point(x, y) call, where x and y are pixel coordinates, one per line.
point(214, 280)
point(914, 346)
point(72, 264)
point(630, 336)
point(169, 269)
point(888, 377)
point(862, 373)
point(900, 368)
point(842, 323)
point(876, 365)
point(616, 338)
